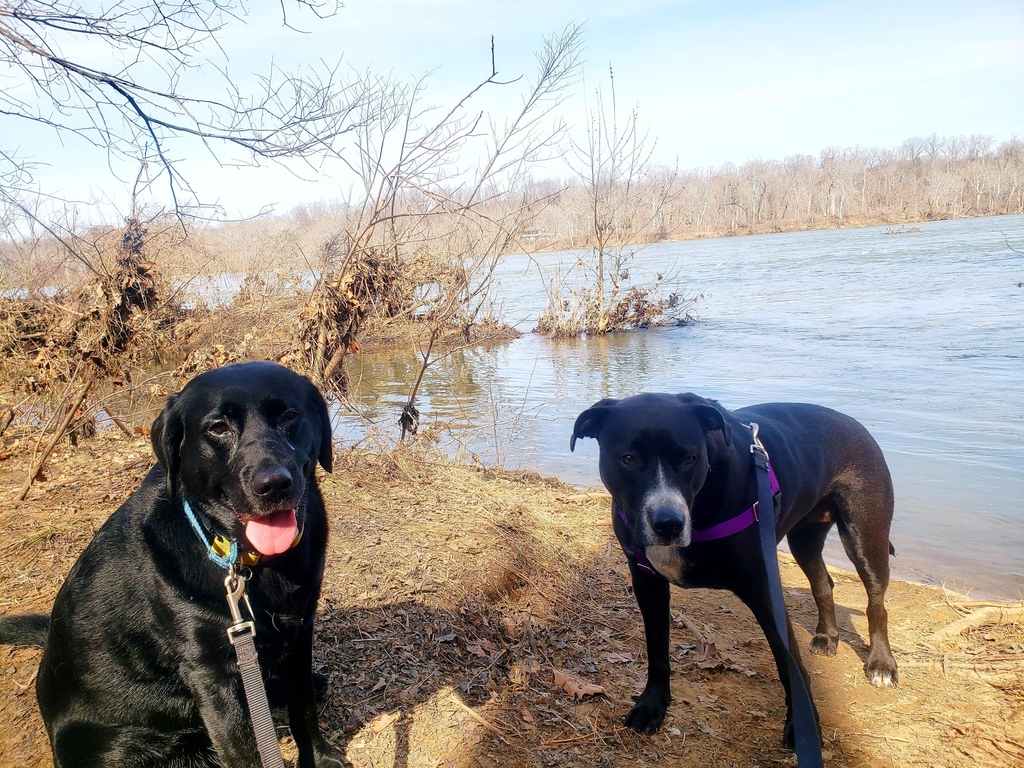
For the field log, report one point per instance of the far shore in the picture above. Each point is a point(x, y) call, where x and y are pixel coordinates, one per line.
point(899, 224)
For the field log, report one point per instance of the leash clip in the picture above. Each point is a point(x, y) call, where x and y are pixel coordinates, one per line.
point(234, 585)
point(757, 448)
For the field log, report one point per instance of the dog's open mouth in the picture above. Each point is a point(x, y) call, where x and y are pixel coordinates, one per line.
point(274, 533)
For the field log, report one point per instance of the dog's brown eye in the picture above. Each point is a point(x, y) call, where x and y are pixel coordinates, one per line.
point(689, 459)
point(219, 428)
point(289, 415)
point(629, 460)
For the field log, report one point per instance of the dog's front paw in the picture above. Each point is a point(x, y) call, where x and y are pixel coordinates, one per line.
point(331, 759)
point(824, 645)
point(647, 715)
point(881, 670)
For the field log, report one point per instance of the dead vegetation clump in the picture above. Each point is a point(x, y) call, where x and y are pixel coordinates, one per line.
point(379, 295)
point(131, 335)
point(369, 280)
point(639, 306)
point(472, 617)
point(116, 321)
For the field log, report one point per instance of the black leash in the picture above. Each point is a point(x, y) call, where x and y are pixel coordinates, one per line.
point(805, 725)
point(241, 634)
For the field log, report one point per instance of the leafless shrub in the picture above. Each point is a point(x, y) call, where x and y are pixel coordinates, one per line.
point(623, 201)
point(438, 226)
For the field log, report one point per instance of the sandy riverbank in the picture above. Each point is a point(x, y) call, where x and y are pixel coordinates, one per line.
point(453, 594)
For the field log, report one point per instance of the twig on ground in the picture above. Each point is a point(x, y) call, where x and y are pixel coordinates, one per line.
point(117, 422)
point(57, 435)
point(980, 617)
point(693, 628)
point(479, 719)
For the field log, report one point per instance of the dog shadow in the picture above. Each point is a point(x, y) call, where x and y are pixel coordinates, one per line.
point(416, 682)
point(388, 661)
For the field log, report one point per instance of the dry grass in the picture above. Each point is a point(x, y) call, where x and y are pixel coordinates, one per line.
point(453, 594)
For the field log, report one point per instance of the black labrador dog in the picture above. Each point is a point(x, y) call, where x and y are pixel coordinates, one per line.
point(137, 668)
point(682, 479)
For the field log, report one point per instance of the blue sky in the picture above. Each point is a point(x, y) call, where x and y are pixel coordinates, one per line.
point(715, 81)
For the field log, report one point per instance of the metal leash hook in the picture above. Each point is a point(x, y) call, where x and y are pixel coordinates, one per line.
point(758, 446)
point(234, 585)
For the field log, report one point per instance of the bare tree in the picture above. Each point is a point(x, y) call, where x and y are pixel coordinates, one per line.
point(623, 204)
point(429, 216)
point(133, 105)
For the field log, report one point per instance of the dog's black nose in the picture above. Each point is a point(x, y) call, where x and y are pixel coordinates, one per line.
point(667, 523)
point(271, 480)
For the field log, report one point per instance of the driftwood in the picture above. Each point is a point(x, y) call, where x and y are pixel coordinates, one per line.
point(57, 435)
point(581, 498)
point(1007, 614)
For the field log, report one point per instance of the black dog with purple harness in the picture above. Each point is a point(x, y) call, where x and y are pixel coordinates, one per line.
point(681, 472)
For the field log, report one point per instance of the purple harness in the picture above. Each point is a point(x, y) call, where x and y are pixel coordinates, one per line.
point(729, 527)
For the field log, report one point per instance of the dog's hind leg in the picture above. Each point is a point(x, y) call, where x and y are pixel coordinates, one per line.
point(806, 542)
point(868, 547)
point(81, 744)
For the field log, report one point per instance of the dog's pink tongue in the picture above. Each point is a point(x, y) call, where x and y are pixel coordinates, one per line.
point(273, 534)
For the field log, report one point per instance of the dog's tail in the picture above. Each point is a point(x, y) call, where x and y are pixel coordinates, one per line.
point(28, 629)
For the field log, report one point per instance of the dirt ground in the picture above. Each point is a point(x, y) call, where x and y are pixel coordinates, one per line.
point(477, 618)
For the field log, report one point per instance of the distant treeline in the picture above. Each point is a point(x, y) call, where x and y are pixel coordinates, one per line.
point(922, 179)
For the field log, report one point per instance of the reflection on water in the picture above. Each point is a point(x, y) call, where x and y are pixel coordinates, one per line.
point(918, 335)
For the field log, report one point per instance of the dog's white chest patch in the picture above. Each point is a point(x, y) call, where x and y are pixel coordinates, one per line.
point(668, 561)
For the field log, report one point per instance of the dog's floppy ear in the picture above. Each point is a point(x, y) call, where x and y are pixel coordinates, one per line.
point(166, 435)
point(588, 423)
point(712, 419)
point(326, 456)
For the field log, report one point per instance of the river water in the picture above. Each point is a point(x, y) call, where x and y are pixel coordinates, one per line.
point(919, 335)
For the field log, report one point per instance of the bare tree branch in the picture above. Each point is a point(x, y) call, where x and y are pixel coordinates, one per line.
point(134, 104)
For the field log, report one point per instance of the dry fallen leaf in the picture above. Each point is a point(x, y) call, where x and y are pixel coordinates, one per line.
point(710, 664)
point(619, 658)
point(576, 687)
point(384, 721)
point(743, 669)
point(707, 729)
point(705, 650)
point(525, 713)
